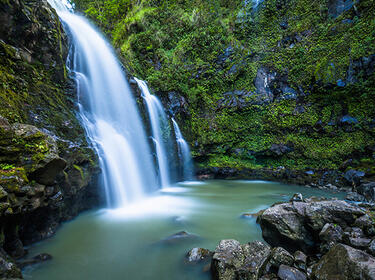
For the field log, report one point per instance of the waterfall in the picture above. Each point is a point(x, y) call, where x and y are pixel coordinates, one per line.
point(108, 112)
point(160, 131)
point(183, 154)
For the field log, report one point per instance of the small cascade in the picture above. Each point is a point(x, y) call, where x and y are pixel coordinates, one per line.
point(183, 154)
point(160, 132)
point(108, 112)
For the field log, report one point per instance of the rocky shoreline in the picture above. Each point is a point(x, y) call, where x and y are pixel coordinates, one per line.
point(307, 239)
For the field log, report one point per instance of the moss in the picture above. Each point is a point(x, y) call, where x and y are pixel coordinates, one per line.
point(76, 167)
point(202, 49)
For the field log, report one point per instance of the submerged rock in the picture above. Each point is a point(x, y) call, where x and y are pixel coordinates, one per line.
point(178, 237)
point(198, 255)
point(345, 262)
point(43, 257)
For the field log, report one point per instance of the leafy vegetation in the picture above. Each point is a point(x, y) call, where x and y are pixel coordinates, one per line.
point(203, 49)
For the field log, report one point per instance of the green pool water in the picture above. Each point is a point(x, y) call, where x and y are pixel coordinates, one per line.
point(128, 243)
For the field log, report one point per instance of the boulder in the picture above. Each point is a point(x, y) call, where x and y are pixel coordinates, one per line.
point(296, 225)
point(346, 263)
point(232, 260)
point(279, 256)
point(198, 254)
point(300, 260)
point(290, 273)
point(353, 177)
point(367, 190)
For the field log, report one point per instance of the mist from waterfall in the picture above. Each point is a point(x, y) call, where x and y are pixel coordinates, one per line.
point(108, 112)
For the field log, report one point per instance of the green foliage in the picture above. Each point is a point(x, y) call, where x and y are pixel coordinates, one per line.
point(203, 49)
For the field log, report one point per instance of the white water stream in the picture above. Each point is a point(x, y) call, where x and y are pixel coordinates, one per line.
point(108, 112)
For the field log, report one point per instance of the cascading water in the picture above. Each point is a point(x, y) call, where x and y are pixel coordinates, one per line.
point(108, 111)
point(183, 154)
point(159, 127)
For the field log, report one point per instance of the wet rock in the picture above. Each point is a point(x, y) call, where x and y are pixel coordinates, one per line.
point(262, 82)
point(8, 268)
point(290, 273)
point(45, 170)
point(354, 196)
point(280, 149)
point(43, 257)
point(354, 177)
point(297, 197)
point(331, 233)
point(371, 248)
point(345, 262)
point(178, 237)
point(232, 260)
point(367, 190)
point(198, 255)
point(279, 256)
point(365, 223)
point(300, 260)
point(294, 225)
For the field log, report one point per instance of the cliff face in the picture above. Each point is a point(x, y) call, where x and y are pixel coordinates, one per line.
point(285, 86)
point(46, 165)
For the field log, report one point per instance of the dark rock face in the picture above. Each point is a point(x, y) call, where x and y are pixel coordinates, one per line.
point(8, 268)
point(296, 225)
point(345, 262)
point(232, 260)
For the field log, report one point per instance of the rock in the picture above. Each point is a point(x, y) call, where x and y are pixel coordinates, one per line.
point(232, 260)
point(353, 177)
point(346, 263)
point(331, 233)
point(367, 190)
point(8, 268)
point(45, 169)
point(280, 149)
point(300, 260)
point(366, 224)
point(297, 197)
point(198, 255)
point(279, 256)
point(290, 273)
point(178, 237)
point(359, 242)
point(354, 196)
point(43, 257)
point(337, 7)
point(371, 248)
point(295, 225)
